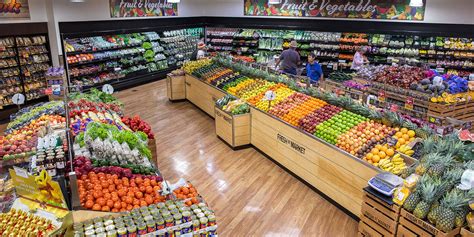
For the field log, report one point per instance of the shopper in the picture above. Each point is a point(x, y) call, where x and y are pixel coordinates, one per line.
point(359, 58)
point(313, 69)
point(200, 51)
point(289, 59)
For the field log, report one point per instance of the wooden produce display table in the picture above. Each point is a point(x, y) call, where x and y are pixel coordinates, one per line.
point(233, 129)
point(202, 94)
point(332, 171)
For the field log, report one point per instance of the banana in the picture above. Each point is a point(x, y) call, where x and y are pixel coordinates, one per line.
point(409, 152)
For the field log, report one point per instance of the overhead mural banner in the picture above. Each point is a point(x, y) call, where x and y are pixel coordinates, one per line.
point(364, 9)
point(14, 9)
point(142, 8)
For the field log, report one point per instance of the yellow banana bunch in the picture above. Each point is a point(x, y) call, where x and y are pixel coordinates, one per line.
point(395, 165)
point(406, 150)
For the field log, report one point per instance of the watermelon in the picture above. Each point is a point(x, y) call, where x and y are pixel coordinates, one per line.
point(465, 135)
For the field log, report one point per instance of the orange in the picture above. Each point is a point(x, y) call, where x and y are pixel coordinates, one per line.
point(406, 137)
point(390, 152)
point(375, 151)
point(382, 155)
point(376, 158)
point(411, 133)
point(404, 130)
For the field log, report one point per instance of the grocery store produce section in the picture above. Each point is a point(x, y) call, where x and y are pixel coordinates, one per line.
point(114, 59)
point(334, 143)
point(335, 50)
point(103, 174)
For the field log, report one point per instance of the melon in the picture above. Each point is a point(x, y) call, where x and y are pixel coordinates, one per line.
point(465, 135)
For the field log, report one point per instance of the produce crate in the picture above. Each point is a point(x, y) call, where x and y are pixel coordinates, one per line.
point(152, 146)
point(233, 129)
point(378, 218)
point(176, 89)
point(466, 233)
point(410, 225)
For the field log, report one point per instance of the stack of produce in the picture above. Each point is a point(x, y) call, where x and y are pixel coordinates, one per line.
point(437, 196)
point(356, 129)
point(232, 105)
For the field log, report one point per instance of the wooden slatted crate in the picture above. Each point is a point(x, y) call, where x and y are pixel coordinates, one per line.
point(466, 233)
point(411, 226)
point(378, 218)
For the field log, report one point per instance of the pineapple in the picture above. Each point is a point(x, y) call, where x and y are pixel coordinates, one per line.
point(429, 145)
point(460, 217)
point(427, 161)
point(434, 213)
point(451, 207)
point(412, 200)
point(429, 192)
point(439, 164)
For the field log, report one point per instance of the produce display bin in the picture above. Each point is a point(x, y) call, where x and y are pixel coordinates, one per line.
point(176, 89)
point(378, 218)
point(233, 129)
point(410, 225)
point(202, 94)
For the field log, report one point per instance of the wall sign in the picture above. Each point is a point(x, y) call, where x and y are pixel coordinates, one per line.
point(142, 8)
point(14, 9)
point(365, 9)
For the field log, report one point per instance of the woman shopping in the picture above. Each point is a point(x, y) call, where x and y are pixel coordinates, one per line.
point(359, 59)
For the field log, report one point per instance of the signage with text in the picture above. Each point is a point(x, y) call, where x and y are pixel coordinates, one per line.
point(142, 8)
point(365, 9)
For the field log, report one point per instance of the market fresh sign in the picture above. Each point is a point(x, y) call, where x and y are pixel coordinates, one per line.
point(365, 9)
point(14, 9)
point(142, 8)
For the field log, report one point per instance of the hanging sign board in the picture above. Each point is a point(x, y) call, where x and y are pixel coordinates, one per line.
point(14, 9)
point(142, 8)
point(362, 9)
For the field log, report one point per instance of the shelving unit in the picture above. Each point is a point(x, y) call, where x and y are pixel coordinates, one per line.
point(23, 62)
point(126, 59)
point(334, 50)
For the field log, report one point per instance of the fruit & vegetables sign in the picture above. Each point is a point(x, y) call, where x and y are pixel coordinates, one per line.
point(14, 9)
point(142, 8)
point(365, 9)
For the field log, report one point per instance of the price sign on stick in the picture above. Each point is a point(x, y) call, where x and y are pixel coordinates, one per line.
point(409, 103)
point(381, 96)
point(108, 89)
point(18, 99)
point(270, 95)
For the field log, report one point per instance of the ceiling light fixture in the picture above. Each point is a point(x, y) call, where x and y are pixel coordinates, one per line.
point(77, 1)
point(274, 1)
point(416, 3)
point(173, 1)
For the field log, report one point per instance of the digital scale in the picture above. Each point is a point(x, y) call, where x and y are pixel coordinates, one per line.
point(385, 183)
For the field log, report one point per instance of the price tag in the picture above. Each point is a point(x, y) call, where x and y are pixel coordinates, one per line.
point(117, 68)
point(382, 96)
point(409, 103)
point(270, 95)
point(20, 172)
point(108, 89)
point(18, 99)
point(341, 61)
point(392, 141)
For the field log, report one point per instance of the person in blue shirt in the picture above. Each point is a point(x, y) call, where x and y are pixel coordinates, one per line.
point(313, 69)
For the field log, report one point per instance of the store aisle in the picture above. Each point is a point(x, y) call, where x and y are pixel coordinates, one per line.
point(252, 196)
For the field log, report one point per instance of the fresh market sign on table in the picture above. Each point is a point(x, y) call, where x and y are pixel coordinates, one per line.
point(365, 9)
point(14, 9)
point(142, 8)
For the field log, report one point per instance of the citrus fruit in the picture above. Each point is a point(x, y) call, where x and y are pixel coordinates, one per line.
point(390, 152)
point(411, 133)
point(376, 158)
point(404, 130)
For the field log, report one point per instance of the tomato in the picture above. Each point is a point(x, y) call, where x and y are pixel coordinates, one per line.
point(138, 195)
point(96, 207)
point(110, 203)
point(89, 204)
